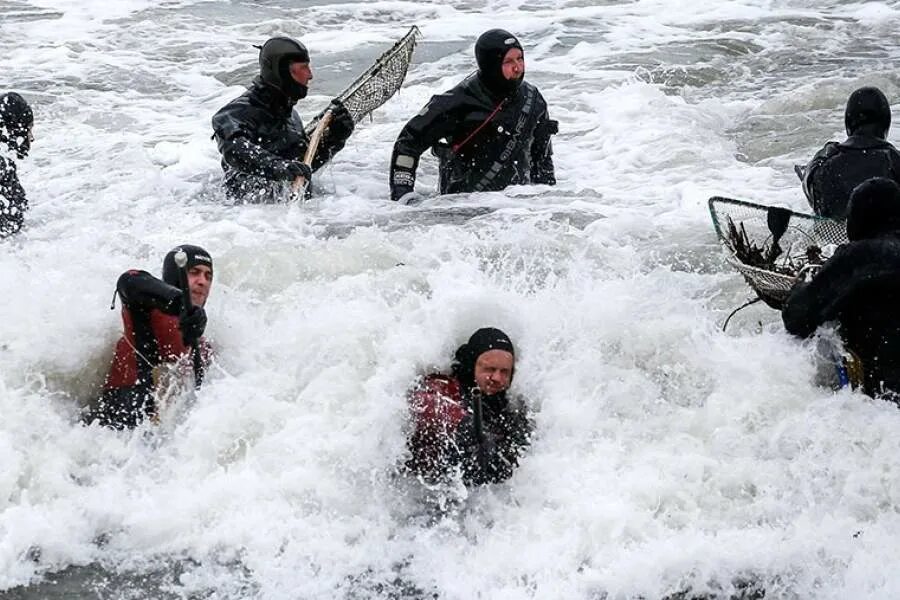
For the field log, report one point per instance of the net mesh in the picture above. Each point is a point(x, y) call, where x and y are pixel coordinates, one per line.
point(743, 229)
point(381, 81)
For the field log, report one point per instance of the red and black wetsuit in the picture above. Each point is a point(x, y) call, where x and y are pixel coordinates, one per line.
point(444, 434)
point(150, 309)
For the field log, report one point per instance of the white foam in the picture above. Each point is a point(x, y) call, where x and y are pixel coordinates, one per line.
point(667, 454)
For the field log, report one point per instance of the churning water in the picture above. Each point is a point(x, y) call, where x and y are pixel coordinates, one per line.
point(668, 457)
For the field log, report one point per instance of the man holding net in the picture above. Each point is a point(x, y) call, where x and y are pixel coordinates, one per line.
point(489, 132)
point(260, 135)
point(859, 289)
point(837, 168)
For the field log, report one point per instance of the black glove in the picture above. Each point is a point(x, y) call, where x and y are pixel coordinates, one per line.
point(294, 169)
point(192, 323)
point(141, 290)
point(341, 125)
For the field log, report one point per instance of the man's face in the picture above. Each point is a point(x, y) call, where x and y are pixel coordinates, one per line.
point(513, 65)
point(493, 371)
point(199, 282)
point(301, 73)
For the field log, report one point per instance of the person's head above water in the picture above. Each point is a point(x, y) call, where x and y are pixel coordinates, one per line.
point(874, 209)
point(868, 113)
point(501, 61)
point(199, 268)
point(16, 122)
point(284, 64)
point(486, 361)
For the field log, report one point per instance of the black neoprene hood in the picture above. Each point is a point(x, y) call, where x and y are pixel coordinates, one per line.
point(275, 58)
point(490, 50)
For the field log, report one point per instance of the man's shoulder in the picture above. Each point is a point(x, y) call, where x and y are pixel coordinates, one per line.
point(439, 383)
point(517, 404)
point(860, 143)
point(528, 87)
point(880, 253)
point(886, 247)
point(252, 103)
point(243, 102)
point(830, 149)
point(461, 93)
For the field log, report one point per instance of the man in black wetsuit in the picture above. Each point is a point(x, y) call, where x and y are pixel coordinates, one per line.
point(261, 137)
point(490, 131)
point(16, 121)
point(859, 288)
point(837, 168)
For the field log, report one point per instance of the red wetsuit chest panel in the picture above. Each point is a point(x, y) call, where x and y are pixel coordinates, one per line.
point(437, 403)
point(164, 330)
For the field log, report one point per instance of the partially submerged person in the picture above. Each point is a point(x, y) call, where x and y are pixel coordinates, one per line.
point(490, 131)
point(159, 332)
point(839, 167)
point(858, 288)
point(260, 135)
point(465, 420)
point(16, 124)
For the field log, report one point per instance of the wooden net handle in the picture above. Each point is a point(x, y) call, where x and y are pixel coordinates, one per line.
point(314, 141)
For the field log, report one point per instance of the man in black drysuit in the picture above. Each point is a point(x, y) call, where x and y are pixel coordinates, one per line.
point(261, 137)
point(859, 288)
point(16, 121)
point(490, 131)
point(839, 167)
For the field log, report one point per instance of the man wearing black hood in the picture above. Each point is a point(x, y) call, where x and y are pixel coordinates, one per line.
point(859, 288)
point(465, 419)
point(839, 167)
point(16, 122)
point(260, 135)
point(490, 131)
point(160, 328)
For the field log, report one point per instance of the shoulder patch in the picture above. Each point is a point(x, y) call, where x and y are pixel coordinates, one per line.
point(404, 161)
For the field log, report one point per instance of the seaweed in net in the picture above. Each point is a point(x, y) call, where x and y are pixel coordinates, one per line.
point(765, 256)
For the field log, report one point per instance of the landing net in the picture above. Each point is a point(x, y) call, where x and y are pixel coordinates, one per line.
point(743, 229)
point(381, 81)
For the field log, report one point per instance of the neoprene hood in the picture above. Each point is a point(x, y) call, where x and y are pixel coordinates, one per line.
point(483, 340)
point(275, 58)
point(874, 209)
point(868, 112)
point(490, 50)
point(16, 118)
point(196, 256)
